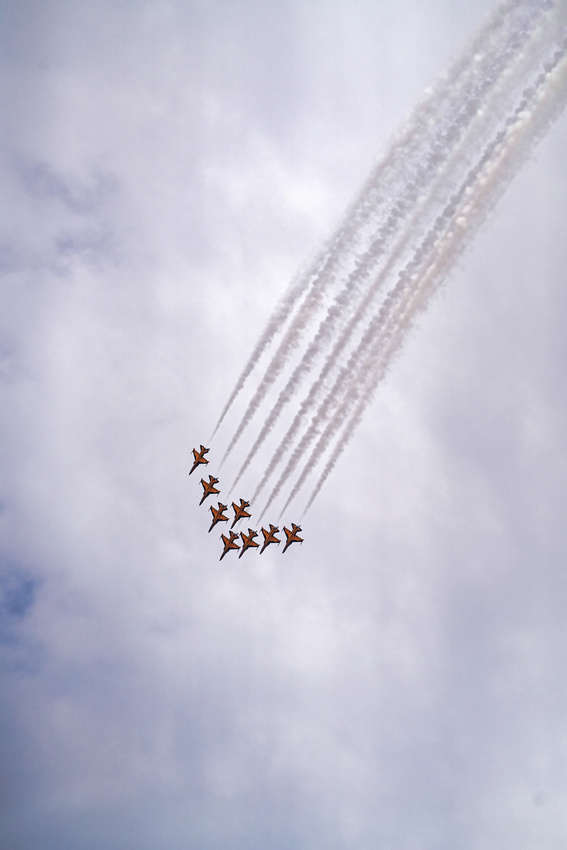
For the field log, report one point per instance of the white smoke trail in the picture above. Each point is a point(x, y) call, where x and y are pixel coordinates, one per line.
point(542, 104)
point(485, 74)
point(427, 129)
point(342, 385)
point(287, 304)
point(354, 370)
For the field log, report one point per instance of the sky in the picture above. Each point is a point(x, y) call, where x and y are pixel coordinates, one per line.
point(397, 681)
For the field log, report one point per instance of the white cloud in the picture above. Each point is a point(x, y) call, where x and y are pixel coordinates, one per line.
point(395, 681)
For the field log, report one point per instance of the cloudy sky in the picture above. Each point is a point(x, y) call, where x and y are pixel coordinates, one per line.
point(398, 681)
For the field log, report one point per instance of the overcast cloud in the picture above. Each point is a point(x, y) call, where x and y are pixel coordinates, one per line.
point(398, 681)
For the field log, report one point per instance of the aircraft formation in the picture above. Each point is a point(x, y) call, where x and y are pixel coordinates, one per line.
point(230, 542)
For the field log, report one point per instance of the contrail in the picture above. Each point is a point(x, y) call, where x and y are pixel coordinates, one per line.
point(349, 375)
point(541, 105)
point(485, 74)
point(414, 217)
point(495, 170)
point(335, 395)
point(405, 153)
point(282, 311)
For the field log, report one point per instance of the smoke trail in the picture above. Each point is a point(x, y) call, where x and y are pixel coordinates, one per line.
point(352, 372)
point(448, 248)
point(342, 384)
point(404, 152)
point(279, 316)
point(345, 302)
point(541, 105)
point(336, 315)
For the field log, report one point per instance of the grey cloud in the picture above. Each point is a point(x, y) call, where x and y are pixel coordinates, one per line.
point(67, 219)
point(10, 258)
point(42, 181)
point(20, 653)
point(17, 593)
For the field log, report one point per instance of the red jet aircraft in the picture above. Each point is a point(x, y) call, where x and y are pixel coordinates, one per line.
point(199, 458)
point(270, 536)
point(218, 515)
point(229, 543)
point(292, 536)
point(248, 541)
point(209, 488)
point(240, 511)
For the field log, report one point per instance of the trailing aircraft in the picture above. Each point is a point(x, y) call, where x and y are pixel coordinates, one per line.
point(199, 457)
point(240, 511)
point(209, 488)
point(292, 536)
point(229, 543)
point(248, 541)
point(270, 537)
point(218, 515)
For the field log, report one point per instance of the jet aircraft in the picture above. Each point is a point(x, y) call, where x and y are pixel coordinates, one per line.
point(199, 458)
point(248, 541)
point(209, 488)
point(229, 543)
point(218, 515)
point(240, 511)
point(292, 536)
point(270, 537)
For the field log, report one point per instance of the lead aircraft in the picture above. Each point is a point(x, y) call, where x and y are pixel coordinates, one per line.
point(292, 536)
point(270, 536)
point(229, 543)
point(209, 488)
point(199, 457)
